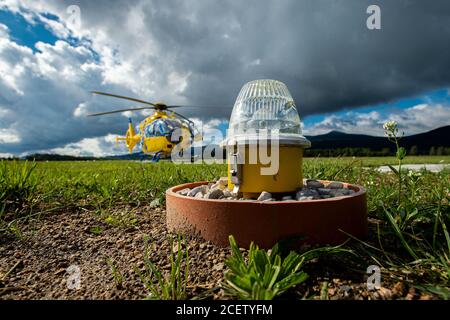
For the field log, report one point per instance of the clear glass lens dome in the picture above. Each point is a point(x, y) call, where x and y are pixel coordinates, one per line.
point(264, 106)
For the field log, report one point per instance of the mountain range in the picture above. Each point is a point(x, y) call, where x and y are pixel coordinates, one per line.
point(334, 143)
point(439, 137)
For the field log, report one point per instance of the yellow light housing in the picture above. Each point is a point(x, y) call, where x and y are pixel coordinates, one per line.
point(264, 114)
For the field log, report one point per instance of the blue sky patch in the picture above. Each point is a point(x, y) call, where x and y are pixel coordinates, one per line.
point(440, 96)
point(24, 33)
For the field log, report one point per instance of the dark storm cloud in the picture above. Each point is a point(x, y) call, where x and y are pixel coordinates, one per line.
point(322, 49)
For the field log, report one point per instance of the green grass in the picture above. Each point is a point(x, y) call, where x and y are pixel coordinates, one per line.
point(116, 273)
point(167, 285)
point(409, 229)
point(381, 161)
point(17, 185)
point(100, 184)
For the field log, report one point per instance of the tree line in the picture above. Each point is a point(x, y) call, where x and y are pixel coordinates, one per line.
point(367, 152)
point(338, 152)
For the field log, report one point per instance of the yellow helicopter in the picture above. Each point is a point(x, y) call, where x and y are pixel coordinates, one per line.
point(159, 133)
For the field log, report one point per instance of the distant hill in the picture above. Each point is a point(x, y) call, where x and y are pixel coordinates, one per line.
point(56, 157)
point(431, 142)
point(59, 157)
point(334, 143)
point(335, 139)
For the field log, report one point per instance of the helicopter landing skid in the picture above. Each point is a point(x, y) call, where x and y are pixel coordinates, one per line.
point(156, 157)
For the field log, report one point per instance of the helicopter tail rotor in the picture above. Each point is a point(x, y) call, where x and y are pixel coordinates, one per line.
point(131, 137)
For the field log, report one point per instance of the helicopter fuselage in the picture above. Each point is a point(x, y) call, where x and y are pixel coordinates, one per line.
point(156, 134)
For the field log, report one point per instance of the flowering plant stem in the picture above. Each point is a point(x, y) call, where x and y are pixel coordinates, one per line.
point(391, 130)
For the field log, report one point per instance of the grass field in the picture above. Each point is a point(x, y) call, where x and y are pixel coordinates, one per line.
point(408, 218)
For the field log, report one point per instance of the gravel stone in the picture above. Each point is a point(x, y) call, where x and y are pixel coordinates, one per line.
point(218, 186)
point(305, 198)
point(312, 190)
point(324, 191)
point(223, 181)
point(335, 185)
point(314, 184)
point(203, 189)
point(264, 196)
point(184, 192)
point(339, 192)
point(214, 194)
point(199, 195)
point(227, 193)
point(305, 192)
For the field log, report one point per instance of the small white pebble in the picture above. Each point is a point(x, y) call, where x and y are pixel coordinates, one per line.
point(194, 191)
point(199, 195)
point(227, 193)
point(305, 198)
point(223, 181)
point(264, 195)
point(184, 192)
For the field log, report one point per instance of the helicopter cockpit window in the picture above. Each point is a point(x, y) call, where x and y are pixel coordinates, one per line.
point(149, 130)
point(161, 127)
point(173, 124)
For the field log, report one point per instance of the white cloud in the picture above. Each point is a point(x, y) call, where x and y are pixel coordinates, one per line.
point(58, 28)
point(80, 110)
point(210, 130)
point(99, 147)
point(4, 31)
point(39, 92)
point(6, 155)
point(8, 136)
point(255, 62)
point(413, 120)
point(44, 97)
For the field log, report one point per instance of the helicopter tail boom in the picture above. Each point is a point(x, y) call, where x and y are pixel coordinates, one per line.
point(131, 138)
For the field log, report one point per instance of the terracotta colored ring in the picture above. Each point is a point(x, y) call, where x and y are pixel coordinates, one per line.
point(324, 221)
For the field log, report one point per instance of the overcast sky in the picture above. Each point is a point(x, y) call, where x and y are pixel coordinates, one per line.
point(342, 75)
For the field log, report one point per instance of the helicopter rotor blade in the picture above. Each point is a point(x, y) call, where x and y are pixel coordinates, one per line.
point(122, 97)
point(118, 111)
point(183, 117)
point(203, 107)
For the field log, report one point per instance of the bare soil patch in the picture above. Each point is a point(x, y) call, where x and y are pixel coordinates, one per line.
point(35, 265)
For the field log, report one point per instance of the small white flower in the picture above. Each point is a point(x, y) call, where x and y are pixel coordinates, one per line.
point(414, 174)
point(390, 126)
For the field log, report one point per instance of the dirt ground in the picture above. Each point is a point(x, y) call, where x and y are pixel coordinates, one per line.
point(41, 263)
